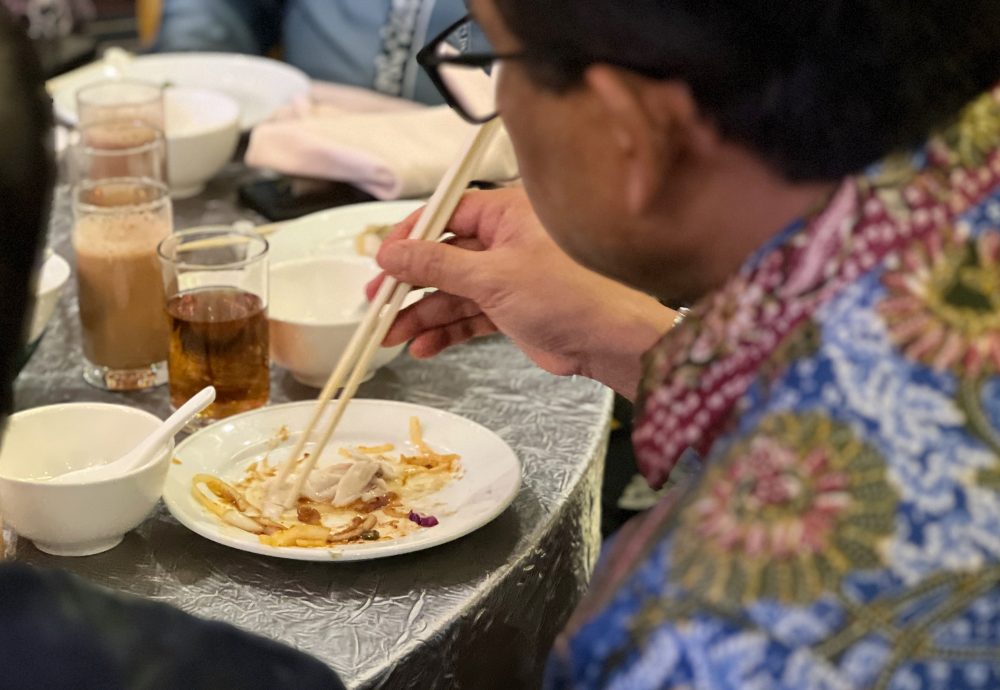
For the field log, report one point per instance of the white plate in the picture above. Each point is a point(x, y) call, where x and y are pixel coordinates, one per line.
point(489, 481)
point(260, 85)
point(332, 232)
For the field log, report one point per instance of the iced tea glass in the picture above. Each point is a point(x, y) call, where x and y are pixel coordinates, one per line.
point(216, 287)
point(118, 224)
point(120, 100)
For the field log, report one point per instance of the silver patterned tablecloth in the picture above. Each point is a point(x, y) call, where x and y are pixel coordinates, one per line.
point(480, 612)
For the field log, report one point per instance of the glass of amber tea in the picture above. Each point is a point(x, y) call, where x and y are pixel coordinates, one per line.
point(216, 286)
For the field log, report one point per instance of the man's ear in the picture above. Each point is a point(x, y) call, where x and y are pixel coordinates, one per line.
point(653, 124)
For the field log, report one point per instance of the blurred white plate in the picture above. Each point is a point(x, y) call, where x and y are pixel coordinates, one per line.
point(332, 232)
point(489, 481)
point(260, 85)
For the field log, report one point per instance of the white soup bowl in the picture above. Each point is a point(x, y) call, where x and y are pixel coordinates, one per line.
point(202, 129)
point(316, 304)
point(77, 519)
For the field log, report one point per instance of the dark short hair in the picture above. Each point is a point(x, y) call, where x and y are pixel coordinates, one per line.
point(818, 89)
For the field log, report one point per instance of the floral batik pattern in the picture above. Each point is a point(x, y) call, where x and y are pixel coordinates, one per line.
point(943, 307)
point(784, 514)
point(844, 392)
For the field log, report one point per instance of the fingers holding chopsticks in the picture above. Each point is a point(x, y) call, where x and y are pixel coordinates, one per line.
point(432, 324)
point(477, 215)
point(468, 244)
point(432, 342)
point(371, 332)
point(434, 264)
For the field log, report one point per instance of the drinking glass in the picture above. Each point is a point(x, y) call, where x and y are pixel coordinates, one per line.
point(118, 223)
point(131, 148)
point(216, 286)
point(120, 100)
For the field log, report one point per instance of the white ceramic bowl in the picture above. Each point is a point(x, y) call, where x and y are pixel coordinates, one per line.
point(52, 279)
point(315, 306)
point(203, 129)
point(85, 518)
point(260, 85)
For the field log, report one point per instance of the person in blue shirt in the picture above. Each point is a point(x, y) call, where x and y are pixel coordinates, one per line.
point(367, 43)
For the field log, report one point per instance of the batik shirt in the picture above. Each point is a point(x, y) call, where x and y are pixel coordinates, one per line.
point(843, 390)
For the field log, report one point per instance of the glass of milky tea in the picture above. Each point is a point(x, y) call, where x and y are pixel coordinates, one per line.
point(120, 100)
point(118, 149)
point(216, 287)
point(118, 223)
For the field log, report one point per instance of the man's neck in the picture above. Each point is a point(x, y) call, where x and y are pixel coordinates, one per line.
point(731, 213)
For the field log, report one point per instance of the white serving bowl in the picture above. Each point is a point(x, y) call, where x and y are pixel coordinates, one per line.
point(202, 129)
point(315, 306)
point(52, 279)
point(83, 518)
point(260, 85)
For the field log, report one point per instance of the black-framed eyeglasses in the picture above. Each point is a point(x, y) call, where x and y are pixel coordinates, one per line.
point(461, 73)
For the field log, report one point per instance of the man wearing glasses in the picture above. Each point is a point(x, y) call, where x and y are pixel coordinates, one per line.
point(821, 181)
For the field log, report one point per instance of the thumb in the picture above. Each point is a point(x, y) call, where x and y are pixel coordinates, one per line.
point(434, 264)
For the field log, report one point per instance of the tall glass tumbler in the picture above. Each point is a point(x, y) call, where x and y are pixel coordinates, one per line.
point(118, 149)
point(118, 223)
point(120, 100)
point(216, 286)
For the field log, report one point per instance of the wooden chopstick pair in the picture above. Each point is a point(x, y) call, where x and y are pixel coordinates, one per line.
point(218, 242)
point(381, 313)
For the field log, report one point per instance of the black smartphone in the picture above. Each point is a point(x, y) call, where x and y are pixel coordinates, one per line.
point(285, 198)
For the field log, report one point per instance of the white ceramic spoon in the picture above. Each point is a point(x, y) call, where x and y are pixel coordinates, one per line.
point(142, 453)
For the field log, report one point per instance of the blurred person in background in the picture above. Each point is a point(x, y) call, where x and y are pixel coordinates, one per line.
point(59, 30)
point(366, 43)
point(50, 19)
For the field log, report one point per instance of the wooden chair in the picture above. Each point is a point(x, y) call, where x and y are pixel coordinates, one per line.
point(148, 13)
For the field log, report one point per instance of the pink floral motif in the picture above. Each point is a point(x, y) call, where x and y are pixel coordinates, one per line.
point(773, 479)
point(785, 513)
point(943, 307)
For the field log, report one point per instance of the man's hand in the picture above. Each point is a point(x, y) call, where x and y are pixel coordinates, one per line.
point(502, 272)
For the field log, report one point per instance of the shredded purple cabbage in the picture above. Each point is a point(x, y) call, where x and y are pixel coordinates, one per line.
point(423, 520)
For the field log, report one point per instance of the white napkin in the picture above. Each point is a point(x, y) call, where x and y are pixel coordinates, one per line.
point(387, 146)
